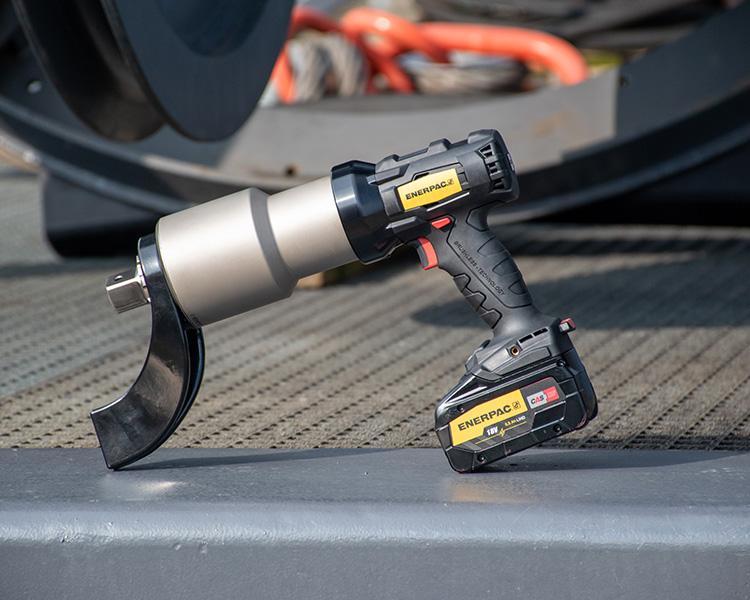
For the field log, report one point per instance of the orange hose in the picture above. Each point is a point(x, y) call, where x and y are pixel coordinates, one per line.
point(524, 45)
point(303, 17)
point(395, 35)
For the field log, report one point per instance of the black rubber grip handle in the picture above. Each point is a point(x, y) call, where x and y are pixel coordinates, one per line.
point(482, 269)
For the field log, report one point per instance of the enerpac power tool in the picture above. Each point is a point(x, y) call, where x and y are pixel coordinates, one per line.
point(523, 386)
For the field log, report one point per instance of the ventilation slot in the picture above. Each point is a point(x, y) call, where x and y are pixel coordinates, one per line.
point(538, 332)
point(494, 168)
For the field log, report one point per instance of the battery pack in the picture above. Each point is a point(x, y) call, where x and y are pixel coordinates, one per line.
point(526, 408)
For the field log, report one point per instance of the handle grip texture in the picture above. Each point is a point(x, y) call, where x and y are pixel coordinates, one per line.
point(484, 271)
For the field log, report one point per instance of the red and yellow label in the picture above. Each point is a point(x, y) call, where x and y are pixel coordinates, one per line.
point(472, 423)
point(429, 189)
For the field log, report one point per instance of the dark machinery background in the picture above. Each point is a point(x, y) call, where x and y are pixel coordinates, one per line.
point(663, 124)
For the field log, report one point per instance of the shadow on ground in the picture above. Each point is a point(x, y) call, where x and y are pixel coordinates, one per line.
point(709, 291)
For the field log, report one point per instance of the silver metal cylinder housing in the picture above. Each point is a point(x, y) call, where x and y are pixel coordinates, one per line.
point(248, 249)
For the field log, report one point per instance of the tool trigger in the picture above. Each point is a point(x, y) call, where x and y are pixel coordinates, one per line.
point(426, 252)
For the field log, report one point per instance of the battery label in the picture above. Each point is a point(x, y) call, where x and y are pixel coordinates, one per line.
point(507, 416)
point(475, 422)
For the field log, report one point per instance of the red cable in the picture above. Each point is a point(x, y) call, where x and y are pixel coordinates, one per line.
point(395, 35)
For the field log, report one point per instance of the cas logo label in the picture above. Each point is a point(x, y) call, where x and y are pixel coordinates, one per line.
point(544, 397)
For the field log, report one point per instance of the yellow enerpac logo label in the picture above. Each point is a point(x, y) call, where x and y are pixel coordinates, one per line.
point(429, 189)
point(473, 423)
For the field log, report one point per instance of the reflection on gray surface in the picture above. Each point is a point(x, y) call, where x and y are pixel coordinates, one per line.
point(378, 523)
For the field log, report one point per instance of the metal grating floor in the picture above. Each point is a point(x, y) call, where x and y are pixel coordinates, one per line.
point(663, 316)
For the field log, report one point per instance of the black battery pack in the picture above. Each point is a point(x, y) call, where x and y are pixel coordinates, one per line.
point(481, 423)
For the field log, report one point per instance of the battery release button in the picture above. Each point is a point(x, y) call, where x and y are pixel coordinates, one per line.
point(567, 325)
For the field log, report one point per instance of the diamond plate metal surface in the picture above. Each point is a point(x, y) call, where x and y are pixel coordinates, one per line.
point(663, 316)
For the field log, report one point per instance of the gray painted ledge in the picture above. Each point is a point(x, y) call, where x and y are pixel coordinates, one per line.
point(374, 523)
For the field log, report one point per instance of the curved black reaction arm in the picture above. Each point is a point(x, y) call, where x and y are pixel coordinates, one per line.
point(142, 419)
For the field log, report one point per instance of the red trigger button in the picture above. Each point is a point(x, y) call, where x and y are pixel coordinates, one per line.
point(427, 254)
point(442, 222)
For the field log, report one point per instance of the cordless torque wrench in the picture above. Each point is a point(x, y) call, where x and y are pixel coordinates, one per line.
point(523, 386)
